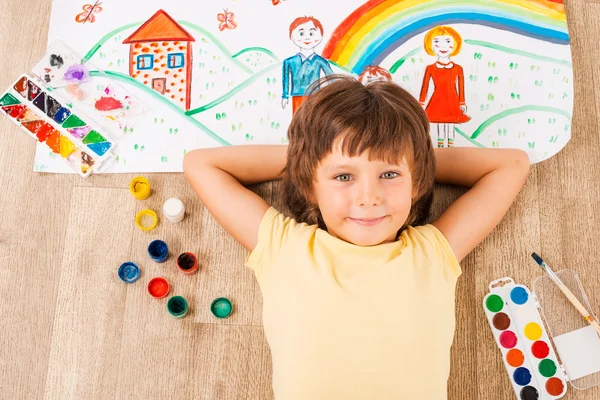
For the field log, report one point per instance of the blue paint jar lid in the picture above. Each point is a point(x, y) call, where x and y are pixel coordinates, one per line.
point(129, 272)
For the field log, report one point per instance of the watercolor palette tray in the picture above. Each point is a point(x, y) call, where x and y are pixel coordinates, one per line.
point(515, 317)
point(80, 82)
point(52, 121)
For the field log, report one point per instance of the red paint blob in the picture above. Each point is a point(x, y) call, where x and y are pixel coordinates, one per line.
point(107, 104)
point(158, 287)
point(508, 339)
point(555, 387)
point(540, 349)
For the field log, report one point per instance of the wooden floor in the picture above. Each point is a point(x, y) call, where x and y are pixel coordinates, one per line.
point(69, 329)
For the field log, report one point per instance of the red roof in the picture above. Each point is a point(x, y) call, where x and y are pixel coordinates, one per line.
point(159, 27)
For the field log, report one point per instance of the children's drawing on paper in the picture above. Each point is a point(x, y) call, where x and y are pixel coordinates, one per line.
point(489, 74)
point(446, 107)
point(160, 56)
point(88, 13)
point(304, 68)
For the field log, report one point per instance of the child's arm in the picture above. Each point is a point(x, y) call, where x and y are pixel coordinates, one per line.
point(495, 177)
point(218, 177)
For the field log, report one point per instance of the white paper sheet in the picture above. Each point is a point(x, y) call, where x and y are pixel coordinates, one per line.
point(579, 351)
point(515, 59)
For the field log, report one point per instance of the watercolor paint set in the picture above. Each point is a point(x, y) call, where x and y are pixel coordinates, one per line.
point(543, 340)
point(96, 94)
point(73, 108)
point(54, 122)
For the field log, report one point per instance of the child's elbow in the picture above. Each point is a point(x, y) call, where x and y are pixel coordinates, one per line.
point(192, 161)
point(520, 162)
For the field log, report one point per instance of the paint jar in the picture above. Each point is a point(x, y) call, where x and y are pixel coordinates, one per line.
point(178, 306)
point(158, 287)
point(174, 210)
point(187, 263)
point(221, 307)
point(140, 188)
point(129, 272)
point(158, 251)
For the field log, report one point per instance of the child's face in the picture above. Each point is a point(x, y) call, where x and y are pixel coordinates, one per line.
point(362, 202)
point(307, 36)
point(443, 45)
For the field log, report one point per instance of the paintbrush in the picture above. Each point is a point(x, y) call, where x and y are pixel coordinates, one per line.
point(586, 315)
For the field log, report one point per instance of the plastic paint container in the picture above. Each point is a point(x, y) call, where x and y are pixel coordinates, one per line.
point(178, 306)
point(129, 272)
point(158, 287)
point(221, 307)
point(158, 251)
point(140, 188)
point(187, 263)
point(174, 210)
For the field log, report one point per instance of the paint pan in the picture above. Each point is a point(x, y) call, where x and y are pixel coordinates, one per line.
point(178, 306)
point(49, 120)
point(187, 263)
point(526, 343)
point(101, 98)
point(158, 251)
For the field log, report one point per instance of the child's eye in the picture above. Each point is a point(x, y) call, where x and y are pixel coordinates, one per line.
point(311, 34)
point(301, 33)
point(343, 177)
point(389, 175)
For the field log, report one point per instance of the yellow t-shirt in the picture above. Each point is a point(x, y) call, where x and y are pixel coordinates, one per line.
point(351, 322)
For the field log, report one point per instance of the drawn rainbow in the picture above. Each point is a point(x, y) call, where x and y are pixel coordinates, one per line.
point(377, 28)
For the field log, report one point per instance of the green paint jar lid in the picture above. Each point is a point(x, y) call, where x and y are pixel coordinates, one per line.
point(221, 307)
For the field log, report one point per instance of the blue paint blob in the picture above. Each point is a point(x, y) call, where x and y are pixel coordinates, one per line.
point(519, 295)
point(158, 251)
point(61, 115)
point(100, 148)
point(129, 272)
point(522, 376)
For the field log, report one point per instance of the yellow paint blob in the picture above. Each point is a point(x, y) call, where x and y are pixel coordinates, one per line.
point(533, 331)
point(66, 147)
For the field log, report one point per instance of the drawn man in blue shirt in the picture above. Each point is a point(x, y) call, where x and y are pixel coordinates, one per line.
point(304, 68)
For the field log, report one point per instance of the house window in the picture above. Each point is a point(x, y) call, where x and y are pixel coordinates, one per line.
point(145, 61)
point(175, 60)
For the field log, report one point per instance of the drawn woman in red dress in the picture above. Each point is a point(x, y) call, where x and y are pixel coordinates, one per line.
point(446, 106)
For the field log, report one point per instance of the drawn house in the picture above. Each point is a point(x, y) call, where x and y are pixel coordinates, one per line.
point(160, 56)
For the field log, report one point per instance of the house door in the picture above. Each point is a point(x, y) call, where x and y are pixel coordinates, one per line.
point(159, 84)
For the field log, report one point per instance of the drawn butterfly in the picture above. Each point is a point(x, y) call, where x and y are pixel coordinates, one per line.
point(226, 20)
point(88, 13)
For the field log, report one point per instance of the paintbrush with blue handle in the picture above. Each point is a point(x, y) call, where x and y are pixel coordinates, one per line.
point(586, 315)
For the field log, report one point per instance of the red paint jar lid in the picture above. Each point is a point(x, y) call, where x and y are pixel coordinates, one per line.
point(158, 287)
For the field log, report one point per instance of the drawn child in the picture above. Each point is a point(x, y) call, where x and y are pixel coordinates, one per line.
point(446, 106)
point(374, 74)
point(304, 68)
point(358, 288)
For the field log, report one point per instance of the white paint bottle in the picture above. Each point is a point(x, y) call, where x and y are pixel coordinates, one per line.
point(174, 210)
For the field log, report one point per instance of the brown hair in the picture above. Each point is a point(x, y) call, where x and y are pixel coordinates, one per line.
point(381, 117)
point(302, 20)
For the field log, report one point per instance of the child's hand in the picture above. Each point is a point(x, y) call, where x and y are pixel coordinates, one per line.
point(495, 177)
point(284, 103)
point(463, 108)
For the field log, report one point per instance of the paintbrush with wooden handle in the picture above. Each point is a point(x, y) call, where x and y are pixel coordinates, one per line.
point(585, 313)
